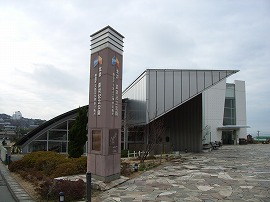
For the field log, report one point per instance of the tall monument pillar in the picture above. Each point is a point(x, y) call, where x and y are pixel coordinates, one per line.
point(105, 105)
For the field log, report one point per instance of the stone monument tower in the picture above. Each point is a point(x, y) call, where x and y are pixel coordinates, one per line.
point(105, 105)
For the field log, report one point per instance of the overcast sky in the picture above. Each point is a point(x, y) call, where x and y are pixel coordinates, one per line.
point(44, 48)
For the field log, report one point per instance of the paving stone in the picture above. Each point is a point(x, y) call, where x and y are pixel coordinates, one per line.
point(205, 188)
point(126, 199)
point(165, 198)
point(167, 193)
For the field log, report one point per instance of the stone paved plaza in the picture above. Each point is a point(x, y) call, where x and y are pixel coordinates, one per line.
point(231, 173)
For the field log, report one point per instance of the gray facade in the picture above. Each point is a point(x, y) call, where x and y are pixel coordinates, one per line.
point(175, 95)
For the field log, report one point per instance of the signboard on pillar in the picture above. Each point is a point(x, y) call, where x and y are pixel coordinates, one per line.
point(105, 105)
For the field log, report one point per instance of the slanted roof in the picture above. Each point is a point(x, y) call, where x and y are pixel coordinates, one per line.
point(169, 88)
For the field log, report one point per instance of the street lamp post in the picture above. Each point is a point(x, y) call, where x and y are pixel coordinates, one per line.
point(88, 187)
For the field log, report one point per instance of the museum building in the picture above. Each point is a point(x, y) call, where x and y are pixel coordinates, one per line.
point(177, 109)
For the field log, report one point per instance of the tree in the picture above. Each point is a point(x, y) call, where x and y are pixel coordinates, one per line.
point(78, 134)
point(154, 133)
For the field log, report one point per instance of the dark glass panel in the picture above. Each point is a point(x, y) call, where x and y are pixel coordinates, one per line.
point(37, 146)
point(58, 135)
point(42, 137)
point(227, 112)
point(60, 147)
point(61, 126)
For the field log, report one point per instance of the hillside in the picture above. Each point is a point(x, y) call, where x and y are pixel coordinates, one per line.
point(23, 123)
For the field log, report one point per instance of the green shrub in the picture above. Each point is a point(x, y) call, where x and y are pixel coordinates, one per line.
point(16, 166)
point(65, 169)
point(71, 166)
point(32, 175)
point(48, 160)
point(147, 166)
point(45, 161)
point(41, 164)
point(81, 164)
point(142, 167)
point(124, 153)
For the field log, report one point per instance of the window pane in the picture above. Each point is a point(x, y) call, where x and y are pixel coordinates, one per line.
point(227, 121)
point(227, 112)
point(58, 135)
point(60, 147)
point(233, 103)
point(233, 113)
point(230, 91)
point(42, 137)
point(37, 146)
point(229, 103)
point(62, 126)
point(131, 136)
point(140, 137)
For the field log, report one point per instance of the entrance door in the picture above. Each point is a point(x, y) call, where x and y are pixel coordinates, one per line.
point(227, 137)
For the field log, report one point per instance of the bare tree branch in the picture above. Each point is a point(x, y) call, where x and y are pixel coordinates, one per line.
point(154, 133)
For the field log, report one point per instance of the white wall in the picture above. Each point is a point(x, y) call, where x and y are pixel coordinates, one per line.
point(213, 110)
point(240, 102)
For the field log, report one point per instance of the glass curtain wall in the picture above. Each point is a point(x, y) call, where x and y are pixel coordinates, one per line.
point(229, 114)
point(229, 108)
point(54, 139)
